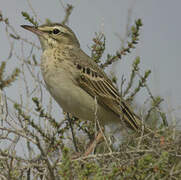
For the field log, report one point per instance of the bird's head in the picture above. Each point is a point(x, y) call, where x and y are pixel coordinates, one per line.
point(54, 35)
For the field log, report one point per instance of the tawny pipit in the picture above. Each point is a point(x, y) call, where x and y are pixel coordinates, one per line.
point(76, 82)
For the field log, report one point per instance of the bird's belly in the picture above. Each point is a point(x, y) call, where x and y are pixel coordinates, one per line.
point(71, 97)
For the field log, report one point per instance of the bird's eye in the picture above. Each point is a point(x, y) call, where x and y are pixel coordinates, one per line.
point(56, 31)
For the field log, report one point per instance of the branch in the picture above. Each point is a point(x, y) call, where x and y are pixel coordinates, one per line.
point(130, 45)
point(68, 11)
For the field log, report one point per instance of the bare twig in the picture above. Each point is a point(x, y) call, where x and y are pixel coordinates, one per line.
point(68, 10)
point(72, 131)
point(33, 11)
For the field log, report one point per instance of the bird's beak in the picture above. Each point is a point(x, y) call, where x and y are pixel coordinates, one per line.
point(33, 29)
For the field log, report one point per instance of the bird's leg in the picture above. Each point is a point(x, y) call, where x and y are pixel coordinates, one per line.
point(92, 146)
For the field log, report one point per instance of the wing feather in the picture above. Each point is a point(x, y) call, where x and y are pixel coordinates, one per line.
point(108, 96)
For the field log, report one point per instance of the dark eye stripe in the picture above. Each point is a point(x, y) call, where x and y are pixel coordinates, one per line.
point(49, 32)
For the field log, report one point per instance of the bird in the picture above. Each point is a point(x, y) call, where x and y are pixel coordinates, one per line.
point(76, 82)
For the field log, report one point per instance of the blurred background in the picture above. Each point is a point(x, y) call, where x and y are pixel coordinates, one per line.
point(159, 46)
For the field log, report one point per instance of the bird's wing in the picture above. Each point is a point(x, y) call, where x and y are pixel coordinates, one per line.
point(97, 85)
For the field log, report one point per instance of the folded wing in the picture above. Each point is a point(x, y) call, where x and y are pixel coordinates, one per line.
point(107, 95)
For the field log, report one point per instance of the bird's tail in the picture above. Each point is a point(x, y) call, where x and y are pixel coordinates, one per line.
point(131, 119)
